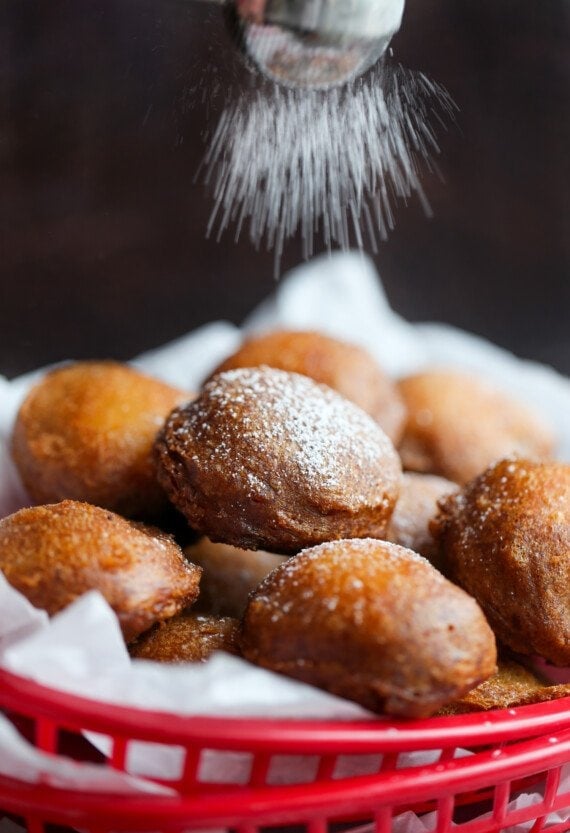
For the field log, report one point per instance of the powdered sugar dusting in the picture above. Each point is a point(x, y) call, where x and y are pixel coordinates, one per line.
point(502, 492)
point(331, 162)
point(333, 573)
point(361, 548)
point(267, 408)
point(266, 459)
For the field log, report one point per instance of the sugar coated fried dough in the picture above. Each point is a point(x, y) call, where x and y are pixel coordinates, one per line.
point(372, 622)
point(188, 637)
point(349, 369)
point(512, 685)
point(416, 506)
point(265, 459)
point(86, 432)
point(506, 540)
point(457, 426)
point(229, 576)
point(53, 554)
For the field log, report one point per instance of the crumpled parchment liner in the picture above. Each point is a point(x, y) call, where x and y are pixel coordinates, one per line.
point(81, 649)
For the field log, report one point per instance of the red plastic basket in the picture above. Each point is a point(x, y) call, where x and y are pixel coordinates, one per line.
point(510, 751)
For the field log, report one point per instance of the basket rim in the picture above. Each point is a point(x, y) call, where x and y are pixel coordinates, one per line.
point(71, 711)
point(283, 804)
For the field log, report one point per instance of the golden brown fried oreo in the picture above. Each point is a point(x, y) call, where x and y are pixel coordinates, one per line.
point(53, 554)
point(513, 685)
point(188, 637)
point(458, 425)
point(346, 368)
point(506, 540)
point(372, 622)
point(86, 432)
point(265, 459)
point(416, 507)
point(229, 575)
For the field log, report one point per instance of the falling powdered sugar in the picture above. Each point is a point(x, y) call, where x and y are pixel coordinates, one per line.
point(330, 162)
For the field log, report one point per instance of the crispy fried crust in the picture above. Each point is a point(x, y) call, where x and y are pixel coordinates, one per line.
point(346, 368)
point(512, 685)
point(416, 507)
point(372, 622)
point(506, 540)
point(457, 426)
point(53, 554)
point(265, 459)
point(188, 637)
point(86, 432)
point(229, 576)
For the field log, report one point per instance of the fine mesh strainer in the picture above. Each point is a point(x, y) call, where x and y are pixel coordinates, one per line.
point(315, 44)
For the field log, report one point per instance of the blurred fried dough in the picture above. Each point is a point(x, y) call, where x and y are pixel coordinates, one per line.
point(416, 507)
point(86, 432)
point(346, 368)
point(265, 459)
point(188, 637)
point(458, 425)
point(372, 622)
point(53, 554)
point(506, 539)
point(229, 575)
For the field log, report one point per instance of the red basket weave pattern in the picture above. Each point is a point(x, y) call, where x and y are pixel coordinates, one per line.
point(512, 749)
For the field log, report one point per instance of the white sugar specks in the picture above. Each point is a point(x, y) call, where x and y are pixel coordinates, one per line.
point(265, 459)
point(336, 578)
point(331, 162)
point(265, 410)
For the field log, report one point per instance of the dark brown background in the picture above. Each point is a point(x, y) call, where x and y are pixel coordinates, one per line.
point(102, 245)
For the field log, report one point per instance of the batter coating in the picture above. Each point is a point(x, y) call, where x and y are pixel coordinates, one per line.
point(512, 686)
point(53, 554)
point(188, 637)
point(86, 432)
point(346, 368)
point(416, 507)
point(506, 540)
point(229, 575)
point(265, 459)
point(458, 425)
point(372, 622)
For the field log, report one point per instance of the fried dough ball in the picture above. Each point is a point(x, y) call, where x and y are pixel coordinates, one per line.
point(372, 622)
point(230, 574)
point(513, 685)
point(416, 507)
point(265, 459)
point(188, 637)
point(86, 432)
point(53, 554)
point(458, 425)
point(346, 368)
point(506, 540)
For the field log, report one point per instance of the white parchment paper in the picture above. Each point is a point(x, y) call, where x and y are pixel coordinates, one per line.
point(81, 650)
